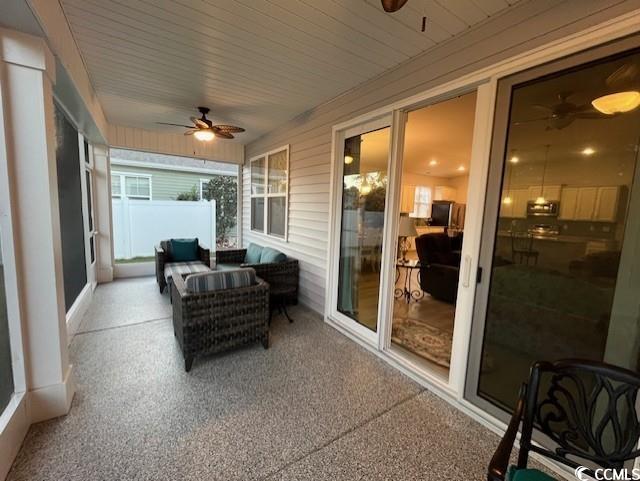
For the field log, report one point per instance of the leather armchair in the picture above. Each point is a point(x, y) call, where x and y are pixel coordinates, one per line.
point(440, 266)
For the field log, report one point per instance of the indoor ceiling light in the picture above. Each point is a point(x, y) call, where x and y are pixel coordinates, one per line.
point(348, 159)
point(433, 162)
point(588, 151)
point(514, 159)
point(507, 200)
point(204, 135)
point(461, 168)
point(618, 102)
point(541, 200)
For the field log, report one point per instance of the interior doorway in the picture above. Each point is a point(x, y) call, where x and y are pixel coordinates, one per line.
point(434, 183)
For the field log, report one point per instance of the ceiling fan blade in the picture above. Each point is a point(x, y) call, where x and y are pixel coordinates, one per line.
point(222, 134)
point(542, 107)
point(531, 120)
point(228, 128)
point(592, 115)
point(391, 6)
point(199, 123)
point(176, 125)
point(190, 132)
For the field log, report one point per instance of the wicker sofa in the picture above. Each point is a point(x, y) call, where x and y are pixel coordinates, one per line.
point(210, 321)
point(167, 268)
point(281, 276)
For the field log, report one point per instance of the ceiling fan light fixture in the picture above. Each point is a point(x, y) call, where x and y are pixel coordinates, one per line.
point(204, 135)
point(391, 6)
point(617, 103)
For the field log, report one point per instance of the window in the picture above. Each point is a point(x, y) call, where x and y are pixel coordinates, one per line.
point(131, 186)
point(269, 192)
point(421, 202)
point(203, 187)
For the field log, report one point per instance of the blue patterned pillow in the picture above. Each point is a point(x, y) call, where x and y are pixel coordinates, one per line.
point(221, 280)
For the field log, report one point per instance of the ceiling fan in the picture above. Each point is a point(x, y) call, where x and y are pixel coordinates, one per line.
point(203, 129)
point(564, 113)
point(391, 6)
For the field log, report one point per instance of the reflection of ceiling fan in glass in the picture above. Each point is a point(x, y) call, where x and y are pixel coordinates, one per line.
point(564, 113)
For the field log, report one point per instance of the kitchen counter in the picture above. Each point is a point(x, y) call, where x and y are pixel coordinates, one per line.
point(564, 238)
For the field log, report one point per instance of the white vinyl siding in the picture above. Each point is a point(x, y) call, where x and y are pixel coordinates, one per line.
point(519, 29)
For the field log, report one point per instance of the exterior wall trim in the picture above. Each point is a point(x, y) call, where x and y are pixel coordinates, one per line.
point(153, 165)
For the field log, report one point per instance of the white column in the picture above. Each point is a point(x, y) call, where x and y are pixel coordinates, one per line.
point(102, 211)
point(28, 68)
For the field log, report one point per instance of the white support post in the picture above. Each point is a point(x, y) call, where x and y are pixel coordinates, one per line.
point(28, 70)
point(102, 211)
point(214, 236)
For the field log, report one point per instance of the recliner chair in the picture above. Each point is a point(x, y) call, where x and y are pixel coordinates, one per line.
point(440, 266)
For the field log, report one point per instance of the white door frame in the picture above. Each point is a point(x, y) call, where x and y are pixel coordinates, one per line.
point(86, 165)
point(332, 314)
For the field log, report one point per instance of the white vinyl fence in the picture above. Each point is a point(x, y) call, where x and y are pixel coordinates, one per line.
point(139, 225)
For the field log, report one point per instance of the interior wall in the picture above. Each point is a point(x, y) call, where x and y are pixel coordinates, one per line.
point(521, 28)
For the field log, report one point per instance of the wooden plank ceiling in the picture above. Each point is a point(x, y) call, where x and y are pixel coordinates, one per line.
point(256, 63)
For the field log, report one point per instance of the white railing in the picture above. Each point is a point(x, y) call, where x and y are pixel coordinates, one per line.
point(138, 225)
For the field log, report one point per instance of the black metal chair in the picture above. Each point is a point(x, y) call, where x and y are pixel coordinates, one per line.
point(586, 409)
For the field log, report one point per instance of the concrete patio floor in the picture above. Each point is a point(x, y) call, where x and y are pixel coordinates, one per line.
point(313, 406)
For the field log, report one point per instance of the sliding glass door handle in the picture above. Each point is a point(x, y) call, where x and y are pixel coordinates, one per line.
point(466, 271)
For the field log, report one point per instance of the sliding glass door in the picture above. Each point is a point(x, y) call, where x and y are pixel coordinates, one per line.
point(363, 181)
point(6, 369)
point(560, 255)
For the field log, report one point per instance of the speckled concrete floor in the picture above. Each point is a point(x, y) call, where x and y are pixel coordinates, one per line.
point(314, 406)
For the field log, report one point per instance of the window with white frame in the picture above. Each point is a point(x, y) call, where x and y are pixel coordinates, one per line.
point(203, 187)
point(269, 192)
point(130, 185)
point(421, 202)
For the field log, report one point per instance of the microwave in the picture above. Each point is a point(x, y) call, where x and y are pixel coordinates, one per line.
point(545, 209)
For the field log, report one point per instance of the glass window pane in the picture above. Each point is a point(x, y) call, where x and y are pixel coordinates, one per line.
point(277, 215)
point(363, 200)
point(278, 172)
point(561, 282)
point(137, 187)
point(6, 371)
point(89, 203)
point(257, 214)
point(257, 176)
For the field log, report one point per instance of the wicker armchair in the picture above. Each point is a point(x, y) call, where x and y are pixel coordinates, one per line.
point(163, 258)
point(215, 321)
point(281, 276)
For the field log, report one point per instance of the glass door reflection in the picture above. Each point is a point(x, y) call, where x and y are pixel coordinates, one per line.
point(364, 191)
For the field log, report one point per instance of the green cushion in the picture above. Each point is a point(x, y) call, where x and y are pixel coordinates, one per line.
point(516, 474)
point(270, 256)
point(184, 250)
point(254, 251)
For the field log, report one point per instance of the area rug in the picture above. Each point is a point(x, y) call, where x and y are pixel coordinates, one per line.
point(422, 339)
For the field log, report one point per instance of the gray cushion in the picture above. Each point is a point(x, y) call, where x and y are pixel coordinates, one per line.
point(220, 280)
point(183, 269)
point(270, 256)
point(254, 251)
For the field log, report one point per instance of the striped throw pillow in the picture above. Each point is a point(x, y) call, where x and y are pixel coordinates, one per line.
point(220, 280)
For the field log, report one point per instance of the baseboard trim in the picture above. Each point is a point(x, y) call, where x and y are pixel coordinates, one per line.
point(51, 401)
point(138, 269)
point(14, 424)
point(78, 310)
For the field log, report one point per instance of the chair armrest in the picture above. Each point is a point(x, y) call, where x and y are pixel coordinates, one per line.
point(161, 259)
point(179, 285)
point(230, 256)
point(204, 255)
point(500, 461)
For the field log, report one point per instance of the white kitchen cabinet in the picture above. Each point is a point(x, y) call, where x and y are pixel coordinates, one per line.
point(518, 207)
point(444, 193)
point(549, 192)
point(606, 209)
point(407, 199)
point(586, 203)
point(568, 203)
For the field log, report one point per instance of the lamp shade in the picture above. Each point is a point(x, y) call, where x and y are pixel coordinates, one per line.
point(407, 227)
